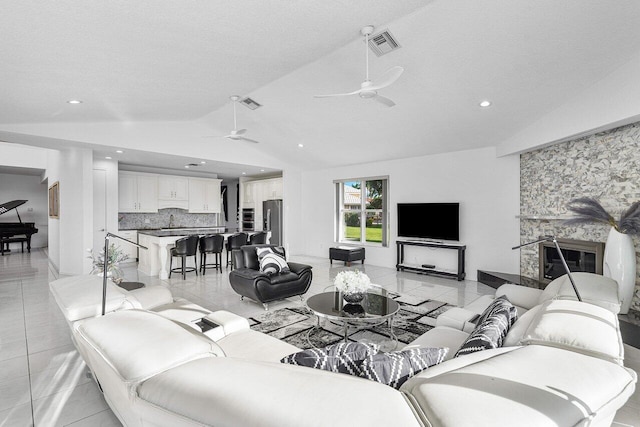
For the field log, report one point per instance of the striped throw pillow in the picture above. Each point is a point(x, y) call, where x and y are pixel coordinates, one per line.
point(272, 260)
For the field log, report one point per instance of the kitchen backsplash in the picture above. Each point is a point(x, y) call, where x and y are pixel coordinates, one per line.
point(162, 219)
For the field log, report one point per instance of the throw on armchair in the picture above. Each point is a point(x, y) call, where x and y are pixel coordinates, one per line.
point(248, 281)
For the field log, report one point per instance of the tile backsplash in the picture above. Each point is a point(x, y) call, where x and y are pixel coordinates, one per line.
point(181, 218)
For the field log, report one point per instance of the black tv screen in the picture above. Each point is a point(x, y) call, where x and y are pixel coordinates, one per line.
point(429, 220)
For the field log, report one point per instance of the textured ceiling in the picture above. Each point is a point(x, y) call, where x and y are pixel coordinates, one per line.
point(178, 62)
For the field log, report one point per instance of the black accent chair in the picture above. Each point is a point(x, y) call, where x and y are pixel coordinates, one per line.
point(259, 238)
point(248, 281)
point(235, 241)
point(211, 244)
point(185, 247)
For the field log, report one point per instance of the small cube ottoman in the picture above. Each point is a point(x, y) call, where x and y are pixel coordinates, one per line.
point(346, 254)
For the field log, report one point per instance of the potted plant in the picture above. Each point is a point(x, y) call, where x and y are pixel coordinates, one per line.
point(115, 257)
point(619, 253)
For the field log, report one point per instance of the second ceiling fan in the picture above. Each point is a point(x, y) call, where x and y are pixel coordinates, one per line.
point(369, 89)
point(238, 134)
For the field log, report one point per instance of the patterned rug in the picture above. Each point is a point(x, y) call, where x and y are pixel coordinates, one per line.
point(293, 324)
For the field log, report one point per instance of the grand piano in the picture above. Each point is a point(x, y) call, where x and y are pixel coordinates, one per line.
point(15, 232)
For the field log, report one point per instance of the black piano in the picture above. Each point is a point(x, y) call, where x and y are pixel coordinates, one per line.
point(15, 232)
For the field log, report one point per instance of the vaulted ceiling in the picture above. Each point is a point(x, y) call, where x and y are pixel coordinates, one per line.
point(155, 75)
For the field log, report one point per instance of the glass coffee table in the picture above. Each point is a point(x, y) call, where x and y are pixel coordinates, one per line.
point(375, 309)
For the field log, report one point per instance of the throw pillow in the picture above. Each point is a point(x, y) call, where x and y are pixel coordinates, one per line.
point(342, 357)
point(396, 367)
point(492, 327)
point(272, 260)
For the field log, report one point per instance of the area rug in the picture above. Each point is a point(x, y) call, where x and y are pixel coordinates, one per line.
point(294, 324)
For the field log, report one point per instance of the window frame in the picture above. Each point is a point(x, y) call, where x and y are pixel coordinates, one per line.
point(339, 211)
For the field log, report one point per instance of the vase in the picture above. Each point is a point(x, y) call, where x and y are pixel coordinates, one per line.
point(353, 298)
point(620, 265)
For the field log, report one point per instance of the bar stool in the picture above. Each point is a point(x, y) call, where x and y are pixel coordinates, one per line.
point(258, 238)
point(211, 244)
point(187, 246)
point(235, 241)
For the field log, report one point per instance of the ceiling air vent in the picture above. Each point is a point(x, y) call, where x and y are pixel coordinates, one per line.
point(383, 43)
point(250, 103)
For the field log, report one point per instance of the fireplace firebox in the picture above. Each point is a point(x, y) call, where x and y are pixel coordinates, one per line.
point(580, 255)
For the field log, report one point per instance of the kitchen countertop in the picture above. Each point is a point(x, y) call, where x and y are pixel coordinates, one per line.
point(186, 231)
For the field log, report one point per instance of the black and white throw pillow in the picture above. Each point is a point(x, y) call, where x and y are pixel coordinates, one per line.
point(272, 260)
point(396, 367)
point(492, 327)
point(342, 357)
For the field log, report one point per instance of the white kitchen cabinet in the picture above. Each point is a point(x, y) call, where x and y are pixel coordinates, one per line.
point(173, 192)
point(204, 195)
point(137, 192)
point(125, 247)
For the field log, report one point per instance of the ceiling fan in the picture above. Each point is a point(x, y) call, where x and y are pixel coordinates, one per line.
point(369, 89)
point(237, 134)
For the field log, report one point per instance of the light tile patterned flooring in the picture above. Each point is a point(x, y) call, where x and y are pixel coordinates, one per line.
point(43, 381)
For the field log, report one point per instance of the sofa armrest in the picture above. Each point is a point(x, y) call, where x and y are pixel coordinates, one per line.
point(249, 274)
point(227, 322)
point(298, 268)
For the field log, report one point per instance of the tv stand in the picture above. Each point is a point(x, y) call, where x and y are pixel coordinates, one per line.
point(401, 266)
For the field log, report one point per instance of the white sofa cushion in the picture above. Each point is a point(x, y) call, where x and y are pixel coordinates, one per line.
point(440, 336)
point(253, 345)
point(228, 392)
point(138, 344)
point(80, 297)
point(183, 311)
point(528, 386)
point(577, 326)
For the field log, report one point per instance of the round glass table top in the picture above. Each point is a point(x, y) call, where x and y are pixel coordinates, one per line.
point(331, 305)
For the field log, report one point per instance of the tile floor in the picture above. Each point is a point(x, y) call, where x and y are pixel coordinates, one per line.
point(43, 381)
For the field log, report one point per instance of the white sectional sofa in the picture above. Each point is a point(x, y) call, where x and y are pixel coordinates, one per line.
point(562, 366)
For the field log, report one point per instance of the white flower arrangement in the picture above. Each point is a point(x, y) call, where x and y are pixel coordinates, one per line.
point(351, 282)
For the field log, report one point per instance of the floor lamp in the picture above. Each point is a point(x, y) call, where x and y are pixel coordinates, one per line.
point(104, 267)
point(564, 263)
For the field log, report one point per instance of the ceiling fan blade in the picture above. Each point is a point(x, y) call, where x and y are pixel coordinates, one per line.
point(390, 76)
point(384, 100)
point(239, 132)
point(355, 92)
point(248, 139)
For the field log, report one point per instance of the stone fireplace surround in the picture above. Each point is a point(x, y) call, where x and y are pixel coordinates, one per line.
point(605, 166)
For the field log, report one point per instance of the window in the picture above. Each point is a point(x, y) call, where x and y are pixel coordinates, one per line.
point(361, 210)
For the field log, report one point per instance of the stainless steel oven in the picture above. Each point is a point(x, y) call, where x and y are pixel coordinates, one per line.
point(248, 219)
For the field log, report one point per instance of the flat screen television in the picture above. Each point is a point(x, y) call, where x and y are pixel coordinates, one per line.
point(439, 221)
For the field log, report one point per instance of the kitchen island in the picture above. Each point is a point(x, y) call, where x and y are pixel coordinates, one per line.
point(153, 261)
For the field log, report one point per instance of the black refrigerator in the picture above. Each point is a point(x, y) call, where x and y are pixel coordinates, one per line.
point(272, 218)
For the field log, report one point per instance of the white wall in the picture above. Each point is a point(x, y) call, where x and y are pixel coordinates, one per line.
point(26, 187)
point(487, 188)
point(111, 171)
point(70, 235)
point(23, 156)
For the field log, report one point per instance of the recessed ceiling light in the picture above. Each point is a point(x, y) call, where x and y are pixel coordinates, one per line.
point(186, 166)
point(203, 162)
point(244, 173)
point(119, 151)
point(300, 145)
point(74, 101)
point(108, 158)
point(485, 104)
point(261, 170)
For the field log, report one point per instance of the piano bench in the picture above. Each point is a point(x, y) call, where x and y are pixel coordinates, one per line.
point(3, 242)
